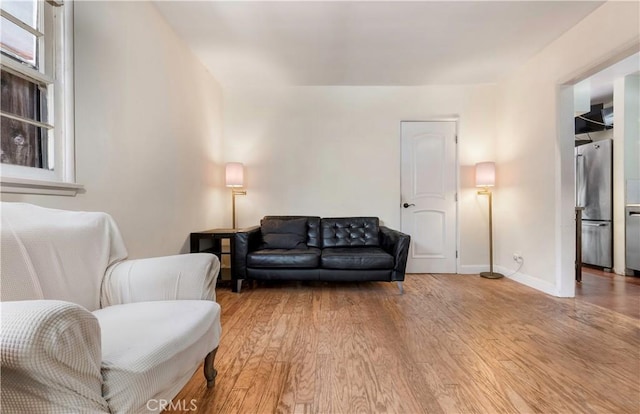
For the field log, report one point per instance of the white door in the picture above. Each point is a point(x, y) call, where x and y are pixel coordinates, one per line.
point(428, 190)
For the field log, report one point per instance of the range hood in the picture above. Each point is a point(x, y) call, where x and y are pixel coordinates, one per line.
point(597, 119)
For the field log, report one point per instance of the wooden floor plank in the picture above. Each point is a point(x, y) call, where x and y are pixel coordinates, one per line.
point(323, 401)
point(450, 344)
point(611, 291)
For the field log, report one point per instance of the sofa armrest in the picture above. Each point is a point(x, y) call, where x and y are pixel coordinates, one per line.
point(51, 358)
point(186, 276)
point(246, 241)
point(396, 244)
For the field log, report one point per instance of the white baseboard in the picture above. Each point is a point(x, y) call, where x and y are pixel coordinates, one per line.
point(472, 269)
point(533, 282)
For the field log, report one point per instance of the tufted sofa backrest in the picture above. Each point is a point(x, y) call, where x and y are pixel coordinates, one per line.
point(350, 231)
point(313, 227)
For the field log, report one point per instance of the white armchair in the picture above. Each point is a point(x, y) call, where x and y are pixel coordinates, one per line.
point(85, 330)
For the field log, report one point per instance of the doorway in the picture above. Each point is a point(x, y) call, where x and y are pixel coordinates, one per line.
point(601, 83)
point(428, 194)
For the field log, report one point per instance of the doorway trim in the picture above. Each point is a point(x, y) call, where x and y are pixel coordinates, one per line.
point(565, 177)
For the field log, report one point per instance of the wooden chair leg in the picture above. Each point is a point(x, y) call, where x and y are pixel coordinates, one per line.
point(210, 372)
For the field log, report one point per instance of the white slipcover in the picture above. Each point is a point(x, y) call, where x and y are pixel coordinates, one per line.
point(57, 254)
point(83, 329)
point(51, 359)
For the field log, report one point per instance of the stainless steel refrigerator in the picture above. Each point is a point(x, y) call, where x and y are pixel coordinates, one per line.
point(594, 192)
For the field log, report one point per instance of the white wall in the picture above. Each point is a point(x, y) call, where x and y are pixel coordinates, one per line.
point(630, 120)
point(534, 205)
point(148, 129)
point(626, 189)
point(335, 151)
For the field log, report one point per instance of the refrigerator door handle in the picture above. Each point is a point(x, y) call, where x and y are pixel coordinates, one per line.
point(594, 224)
point(634, 213)
point(580, 191)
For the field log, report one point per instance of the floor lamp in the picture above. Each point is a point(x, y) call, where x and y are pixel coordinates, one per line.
point(485, 178)
point(234, 178)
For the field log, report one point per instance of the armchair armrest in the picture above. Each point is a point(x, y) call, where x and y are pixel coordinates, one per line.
point(397, 244)
point(185, 276)
point(245, 241)
point(51, 358)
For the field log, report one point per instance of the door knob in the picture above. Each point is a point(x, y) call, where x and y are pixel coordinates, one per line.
point(407, 205)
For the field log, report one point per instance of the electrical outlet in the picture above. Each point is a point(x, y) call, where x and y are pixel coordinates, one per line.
point(517, 257)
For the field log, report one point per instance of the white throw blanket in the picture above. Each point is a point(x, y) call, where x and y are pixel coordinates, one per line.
point(56, 254)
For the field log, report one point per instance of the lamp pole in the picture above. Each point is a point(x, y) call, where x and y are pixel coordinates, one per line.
point(490, 274)
point(234, 178)
point(235, 193)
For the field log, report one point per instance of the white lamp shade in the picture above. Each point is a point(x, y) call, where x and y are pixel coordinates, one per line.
point(234, 174)
point(485, 174)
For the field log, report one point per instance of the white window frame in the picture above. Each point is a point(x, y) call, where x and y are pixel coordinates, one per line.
point(61, 180)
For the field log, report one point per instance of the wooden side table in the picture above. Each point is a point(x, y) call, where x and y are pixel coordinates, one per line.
point(222, 250)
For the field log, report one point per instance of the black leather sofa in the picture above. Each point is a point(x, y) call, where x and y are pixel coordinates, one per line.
point(327, 249)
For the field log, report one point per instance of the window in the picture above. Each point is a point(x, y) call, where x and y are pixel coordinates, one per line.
point(36, 111)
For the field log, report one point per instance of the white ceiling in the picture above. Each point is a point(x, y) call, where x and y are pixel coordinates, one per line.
point(368, 43)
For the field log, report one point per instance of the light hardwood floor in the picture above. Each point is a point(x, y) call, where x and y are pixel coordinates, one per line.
point(450, 344)
point(609, 290)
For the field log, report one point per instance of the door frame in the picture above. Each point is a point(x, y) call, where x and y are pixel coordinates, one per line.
point(565, 285)
point(456, 120)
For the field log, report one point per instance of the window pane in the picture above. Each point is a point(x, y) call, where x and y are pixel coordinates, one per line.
point(23, 10)
point(24, 144)
point(18, 43)
point(23, 98)
point(21, 142)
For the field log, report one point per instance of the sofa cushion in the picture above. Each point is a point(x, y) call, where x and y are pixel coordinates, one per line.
point(291, 258)
point(356, 258)
point(153, 348)
point(350, 231)
point(284, 233)
point(313, 228)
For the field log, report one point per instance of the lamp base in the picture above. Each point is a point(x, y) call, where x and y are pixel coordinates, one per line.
point(491, 275)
